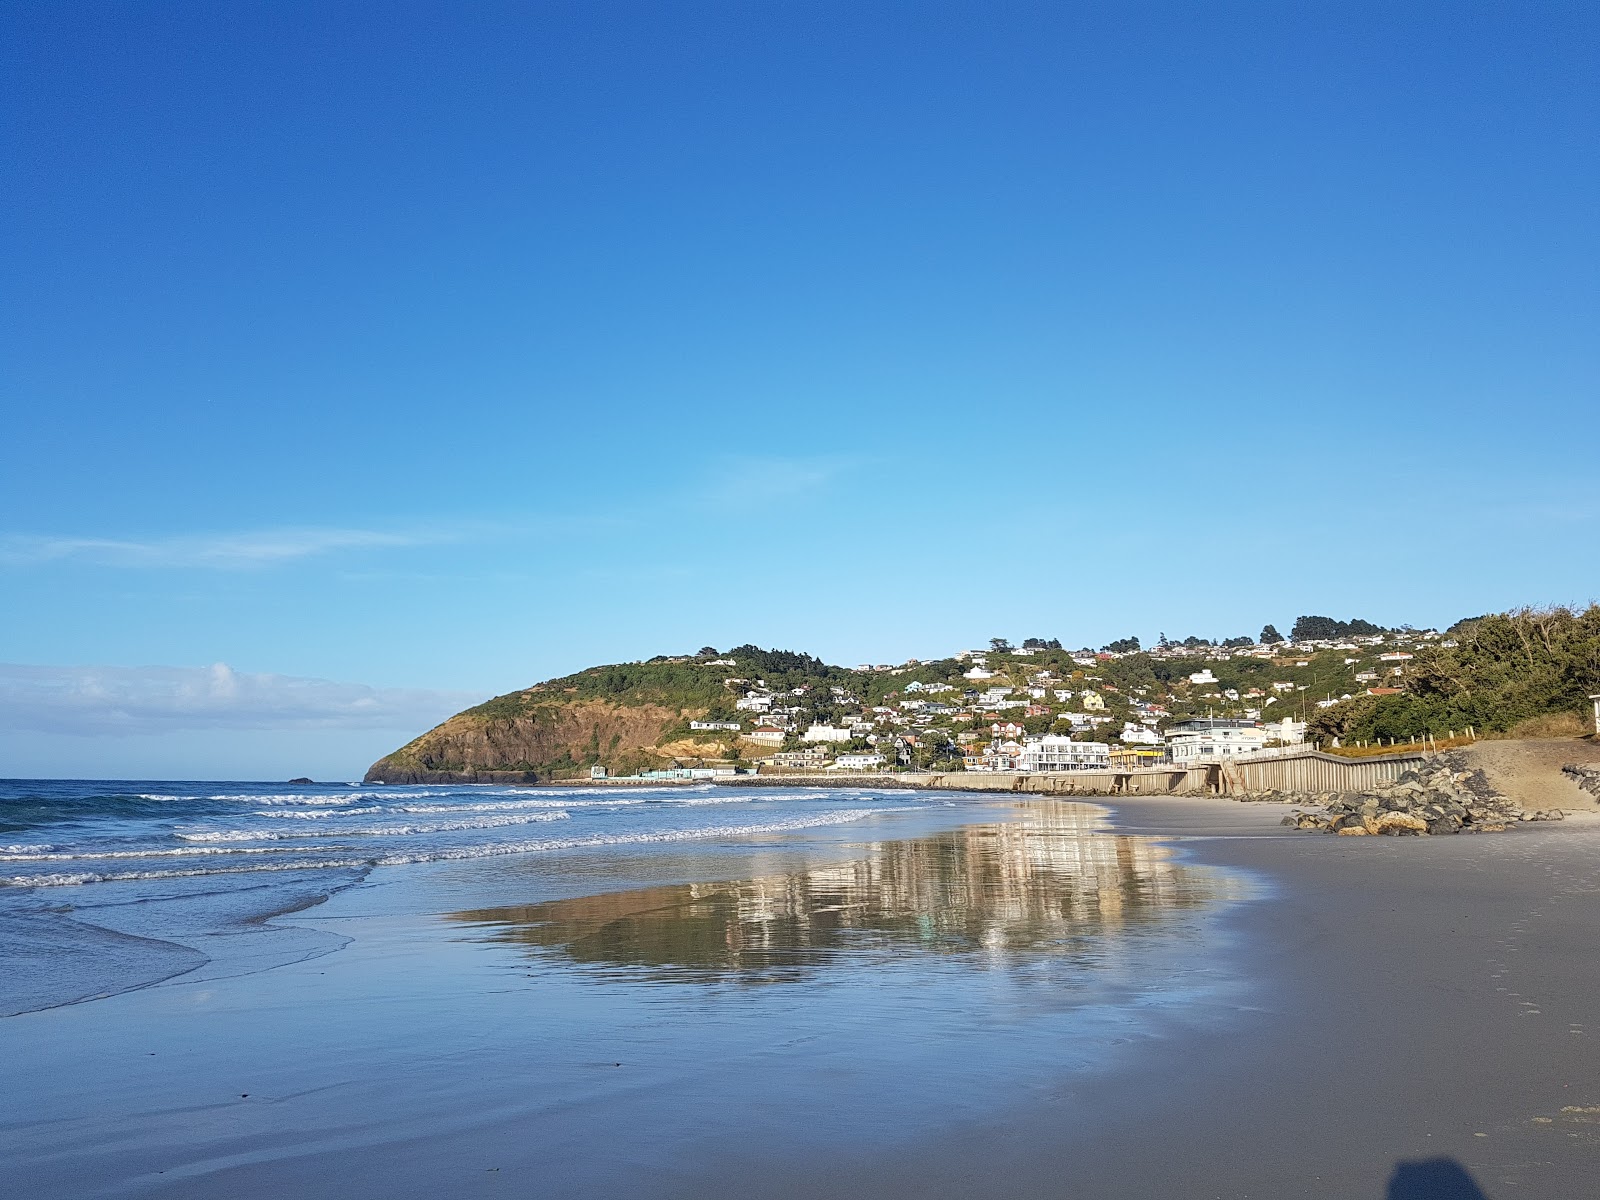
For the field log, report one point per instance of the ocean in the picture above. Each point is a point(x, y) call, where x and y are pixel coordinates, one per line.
point(808, 967)
point(107, 885)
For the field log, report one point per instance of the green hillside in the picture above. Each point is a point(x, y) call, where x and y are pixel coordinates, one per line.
point(1347, 679)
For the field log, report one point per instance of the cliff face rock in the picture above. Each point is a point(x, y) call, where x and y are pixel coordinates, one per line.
point(546, 739)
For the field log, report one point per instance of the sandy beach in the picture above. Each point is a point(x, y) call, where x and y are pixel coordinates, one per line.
point(1424, 1007)
point(1218, 1008)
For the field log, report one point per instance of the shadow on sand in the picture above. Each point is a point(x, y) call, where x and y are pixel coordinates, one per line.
point(1432, 1179)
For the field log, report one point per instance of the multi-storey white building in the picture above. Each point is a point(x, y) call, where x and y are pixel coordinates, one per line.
point(1056, 752)
point(858, 762)
point(1204, 739)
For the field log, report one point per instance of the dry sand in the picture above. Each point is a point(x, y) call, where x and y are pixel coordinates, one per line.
point(1529, 770)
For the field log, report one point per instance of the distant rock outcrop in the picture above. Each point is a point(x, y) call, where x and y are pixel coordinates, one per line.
point(553, 738)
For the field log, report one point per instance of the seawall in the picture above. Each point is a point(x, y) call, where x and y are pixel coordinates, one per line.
point(1308, 771)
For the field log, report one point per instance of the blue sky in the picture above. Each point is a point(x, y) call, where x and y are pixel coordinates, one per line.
point(431, 350)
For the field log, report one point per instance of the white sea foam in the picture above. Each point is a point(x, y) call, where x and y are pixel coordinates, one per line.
point(349, 831)
point(27, 848)
point(841, 817)
point(319, 814)
point(296, 798)
point(66, 879)
point(513, 805)
point(154, 852)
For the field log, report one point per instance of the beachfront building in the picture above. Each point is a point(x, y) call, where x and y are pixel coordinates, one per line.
point(766, 735)
point(731, 726)
point(812, 759)
point(1057, 752)
point(1203, 739)
point(1134, 758)
point(858, 762)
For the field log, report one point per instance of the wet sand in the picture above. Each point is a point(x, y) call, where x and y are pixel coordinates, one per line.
point(1360, 1005)
point(1428, 1027)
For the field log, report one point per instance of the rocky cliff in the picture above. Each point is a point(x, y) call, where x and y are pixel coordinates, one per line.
point(625, 717)
point(547, 740)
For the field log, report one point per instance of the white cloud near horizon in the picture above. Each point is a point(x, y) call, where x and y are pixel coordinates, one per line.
point(131, 701)
point(224, 551)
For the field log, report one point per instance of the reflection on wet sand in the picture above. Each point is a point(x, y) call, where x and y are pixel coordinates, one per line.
point(1047, 881)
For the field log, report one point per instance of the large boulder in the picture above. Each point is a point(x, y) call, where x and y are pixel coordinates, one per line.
point(1399, 823)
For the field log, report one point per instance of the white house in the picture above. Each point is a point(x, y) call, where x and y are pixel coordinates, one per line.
point(1207, 739)
point(1288, 731)
point(857, 762)
point(826, 733)
point(1139, 735)
point(754, 703)
point(1204, 676)
point(766, 735)
point(732, 726)
point(1055, 752)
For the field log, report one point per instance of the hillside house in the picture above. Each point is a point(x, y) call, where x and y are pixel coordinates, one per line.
point(858, 762)
point(826, 733)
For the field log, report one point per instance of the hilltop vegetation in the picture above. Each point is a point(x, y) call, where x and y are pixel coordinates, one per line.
point(1352, 680)
point(1495, 673)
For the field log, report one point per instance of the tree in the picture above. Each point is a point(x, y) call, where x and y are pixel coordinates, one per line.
point(1127, 645)
point(1326, 629)
point(1000, 645)
point(1236, 643)
point(1041, 643)
point(1270, 635)
point(707, 652)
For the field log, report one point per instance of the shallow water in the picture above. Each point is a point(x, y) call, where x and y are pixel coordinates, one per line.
point(611, 1017)
point(107, 886)
point(1040, 888)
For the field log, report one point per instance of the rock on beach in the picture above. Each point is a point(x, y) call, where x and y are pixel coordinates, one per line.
point(1433, 799)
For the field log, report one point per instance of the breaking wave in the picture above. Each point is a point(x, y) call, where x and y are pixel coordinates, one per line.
point(347, 831)
point(443, 854)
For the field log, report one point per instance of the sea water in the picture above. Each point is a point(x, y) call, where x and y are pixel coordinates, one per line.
point(108, 885)
point(608, 991)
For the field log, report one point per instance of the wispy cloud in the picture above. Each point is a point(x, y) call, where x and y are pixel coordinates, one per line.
point(220, 551)
point(99, 701)
point(746, 479)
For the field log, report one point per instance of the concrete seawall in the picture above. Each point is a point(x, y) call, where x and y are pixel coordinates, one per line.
point(1307, 771)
